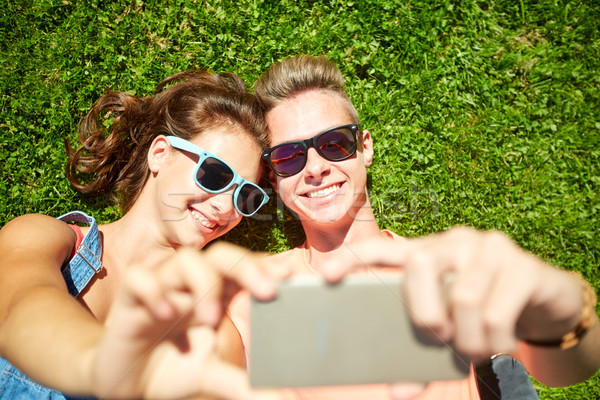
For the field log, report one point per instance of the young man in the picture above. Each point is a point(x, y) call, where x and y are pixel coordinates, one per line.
point(502, 299)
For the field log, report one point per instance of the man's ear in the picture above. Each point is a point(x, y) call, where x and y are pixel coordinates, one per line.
point(367, 147)
point(157, 153)
point(272, 179)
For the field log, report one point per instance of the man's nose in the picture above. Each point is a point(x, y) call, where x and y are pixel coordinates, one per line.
point(316, 165)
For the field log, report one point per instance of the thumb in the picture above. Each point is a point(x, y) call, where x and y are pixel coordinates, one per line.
point(406, 391)
point(226, 381)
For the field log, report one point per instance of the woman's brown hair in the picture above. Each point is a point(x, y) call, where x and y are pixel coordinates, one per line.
point(117, 132)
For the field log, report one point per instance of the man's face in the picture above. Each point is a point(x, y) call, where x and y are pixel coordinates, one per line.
point(324, 191)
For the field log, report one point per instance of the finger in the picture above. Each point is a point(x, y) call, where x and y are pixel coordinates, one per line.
point(266, 395)
point(470, 293)
point(424, 295)
point(274, 267)
point(253, 271)
point(406, 391)
point(224, 381)
point(428, 262)
point(192, 284)
point(141, 286)
point(394, 253)
point(373, 252)
point(508, 298)
point(467, 296)
point(453, 249)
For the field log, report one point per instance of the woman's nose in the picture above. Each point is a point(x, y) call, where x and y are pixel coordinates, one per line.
point(222, 203)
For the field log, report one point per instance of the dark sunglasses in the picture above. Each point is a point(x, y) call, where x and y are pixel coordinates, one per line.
point(215, 176)
point(335, 144)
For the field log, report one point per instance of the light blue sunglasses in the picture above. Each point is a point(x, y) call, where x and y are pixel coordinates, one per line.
point(215, 176)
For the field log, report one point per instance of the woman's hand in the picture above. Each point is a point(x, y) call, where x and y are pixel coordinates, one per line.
point(161, 337)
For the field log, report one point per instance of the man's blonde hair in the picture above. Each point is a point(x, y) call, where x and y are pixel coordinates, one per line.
point(292, 76)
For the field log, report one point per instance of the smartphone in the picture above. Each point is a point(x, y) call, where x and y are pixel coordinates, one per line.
point(355, 332)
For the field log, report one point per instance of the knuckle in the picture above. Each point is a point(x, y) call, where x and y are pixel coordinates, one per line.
point(428, 321)
point(494, 321)
point(461, 232)
point(467, 345)
point(419, 259)
point(495, 240)
point(217, 250)
point(464, 297)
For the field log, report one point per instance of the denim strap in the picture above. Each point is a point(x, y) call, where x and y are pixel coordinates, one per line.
point(87, 261)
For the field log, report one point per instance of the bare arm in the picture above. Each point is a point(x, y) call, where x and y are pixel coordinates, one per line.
point(43, 330)
point(165, 336)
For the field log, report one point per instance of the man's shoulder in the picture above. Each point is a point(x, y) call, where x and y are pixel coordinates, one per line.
point(287, 254)
point(392, 235)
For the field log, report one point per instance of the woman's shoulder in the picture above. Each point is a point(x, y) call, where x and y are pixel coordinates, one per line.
point(33, 222)
point(37, 232)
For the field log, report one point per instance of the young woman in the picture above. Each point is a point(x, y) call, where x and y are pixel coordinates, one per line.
point(129, 309)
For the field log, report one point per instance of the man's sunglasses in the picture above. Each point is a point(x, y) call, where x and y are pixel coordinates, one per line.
point(335, 144)
point(215, 176)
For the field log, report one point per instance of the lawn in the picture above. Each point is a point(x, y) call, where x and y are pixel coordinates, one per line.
point(483, 113)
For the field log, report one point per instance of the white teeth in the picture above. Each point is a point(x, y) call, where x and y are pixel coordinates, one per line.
point(203, 221)
point(323, 192)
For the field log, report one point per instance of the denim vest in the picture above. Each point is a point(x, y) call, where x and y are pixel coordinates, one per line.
point(14, 385)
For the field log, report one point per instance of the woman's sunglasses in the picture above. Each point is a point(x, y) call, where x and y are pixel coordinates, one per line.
point(335, 144)
point(215, 176)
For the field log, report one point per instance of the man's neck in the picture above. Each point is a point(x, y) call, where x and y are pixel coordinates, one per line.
point(324, 241)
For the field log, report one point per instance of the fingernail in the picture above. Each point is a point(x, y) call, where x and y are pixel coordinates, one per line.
point(266, 290)
point(332, 274)
point(444, 334)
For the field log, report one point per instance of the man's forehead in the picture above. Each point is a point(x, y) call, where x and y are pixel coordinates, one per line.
point(305, 115)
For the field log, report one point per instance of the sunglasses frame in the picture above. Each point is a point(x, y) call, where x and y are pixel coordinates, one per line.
point(312, 142)
point(182, 144)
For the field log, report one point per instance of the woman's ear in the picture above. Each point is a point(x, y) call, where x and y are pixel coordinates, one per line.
point(367, 147)
point(157, 153)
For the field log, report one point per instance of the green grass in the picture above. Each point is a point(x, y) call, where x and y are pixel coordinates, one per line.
point(483, 113)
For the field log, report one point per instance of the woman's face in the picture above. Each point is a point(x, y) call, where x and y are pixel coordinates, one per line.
point(191, 216)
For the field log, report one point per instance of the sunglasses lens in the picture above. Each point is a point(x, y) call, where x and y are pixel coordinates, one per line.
point(214, 175)
point(288, 159)
point(334, 145)
point(337, 144)
point(249, 199)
